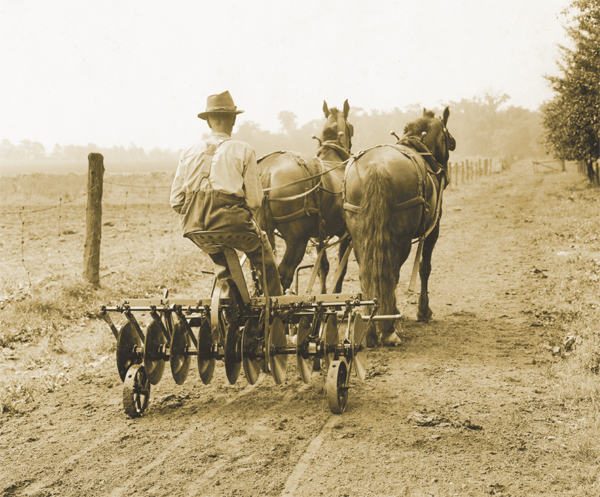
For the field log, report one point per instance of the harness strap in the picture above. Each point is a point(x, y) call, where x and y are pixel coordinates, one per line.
point(295, 197)
point(342, 152)
point(414, 142)
point(399, 207)
point(296, 215)
point(327, 171)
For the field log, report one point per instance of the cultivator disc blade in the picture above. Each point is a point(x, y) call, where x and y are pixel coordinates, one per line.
point(206, 358)
point(250, 361)
point(179, 358)
point(233, 359)
point(302, 334)
point(127, 343)
point(154, 362)
point(331, 338)
point(277, 362)
point(359, 346)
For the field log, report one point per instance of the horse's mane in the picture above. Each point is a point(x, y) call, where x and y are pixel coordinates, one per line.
point(415, 128)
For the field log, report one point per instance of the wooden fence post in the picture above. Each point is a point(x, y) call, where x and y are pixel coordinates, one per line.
point(462, 172)
point(93, 220)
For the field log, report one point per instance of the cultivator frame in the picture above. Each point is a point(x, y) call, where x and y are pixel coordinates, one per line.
point(248, 333)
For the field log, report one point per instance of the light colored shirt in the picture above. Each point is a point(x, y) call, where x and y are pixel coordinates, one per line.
point(234, 171)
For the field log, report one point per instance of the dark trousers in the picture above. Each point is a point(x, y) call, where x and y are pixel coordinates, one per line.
point(256, 258)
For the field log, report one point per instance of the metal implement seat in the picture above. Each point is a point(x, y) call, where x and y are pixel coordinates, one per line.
point(226, 241)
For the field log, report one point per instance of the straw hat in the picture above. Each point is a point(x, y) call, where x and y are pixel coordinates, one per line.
point(219, 104)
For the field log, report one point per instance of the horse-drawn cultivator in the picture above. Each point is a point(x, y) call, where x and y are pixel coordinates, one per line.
point(249, 333)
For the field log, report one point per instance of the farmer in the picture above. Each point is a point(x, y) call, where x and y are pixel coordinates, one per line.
point(217, 187)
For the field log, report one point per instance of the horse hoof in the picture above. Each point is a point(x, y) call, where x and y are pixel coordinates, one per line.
point(391, 340)
point(372, 340)
point(425, 317)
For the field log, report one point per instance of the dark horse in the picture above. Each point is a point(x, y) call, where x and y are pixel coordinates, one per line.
point(303, 197)
point(392, 197)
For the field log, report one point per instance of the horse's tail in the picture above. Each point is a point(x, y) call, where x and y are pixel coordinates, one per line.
point(264, 218)
point(378, 230)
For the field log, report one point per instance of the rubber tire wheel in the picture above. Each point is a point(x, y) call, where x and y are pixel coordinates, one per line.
point(136, 391)
point(337, 389)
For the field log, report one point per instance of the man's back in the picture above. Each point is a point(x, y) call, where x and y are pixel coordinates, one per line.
point(233, 171)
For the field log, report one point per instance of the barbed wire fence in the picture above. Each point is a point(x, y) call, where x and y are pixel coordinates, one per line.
point(43, 243)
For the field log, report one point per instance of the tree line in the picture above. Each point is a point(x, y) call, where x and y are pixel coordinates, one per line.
point(571, 119)
point(484, 126)
point(32, 152)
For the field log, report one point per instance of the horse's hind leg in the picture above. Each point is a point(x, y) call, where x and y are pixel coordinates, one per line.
point(342, 250)
point(424, 313)
point(323, 268)
point(294, 253)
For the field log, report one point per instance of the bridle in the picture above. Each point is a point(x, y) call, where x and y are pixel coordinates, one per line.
point(342, 150)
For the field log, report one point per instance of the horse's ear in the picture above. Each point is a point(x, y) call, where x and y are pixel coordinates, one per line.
point(346, 108)
point(424, 112)
point(325, 109)
point(446, 115)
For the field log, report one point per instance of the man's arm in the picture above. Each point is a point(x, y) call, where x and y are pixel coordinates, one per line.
point(177, 193)
point(252, 184)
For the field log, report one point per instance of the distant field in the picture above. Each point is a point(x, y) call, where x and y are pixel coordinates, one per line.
point(42, 225)
point(82, 167)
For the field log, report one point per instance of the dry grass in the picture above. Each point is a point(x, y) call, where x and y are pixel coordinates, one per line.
point(566, 234)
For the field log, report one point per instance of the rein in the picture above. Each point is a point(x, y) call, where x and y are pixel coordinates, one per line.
point(303, 180)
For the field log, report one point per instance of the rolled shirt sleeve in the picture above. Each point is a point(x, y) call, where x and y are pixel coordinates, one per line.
point(252, 184)
point(177, 192)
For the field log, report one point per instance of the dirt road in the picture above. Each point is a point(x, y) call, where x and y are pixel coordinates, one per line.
point(463, 407)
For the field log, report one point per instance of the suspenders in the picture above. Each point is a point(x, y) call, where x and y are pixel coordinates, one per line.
point(211, 150)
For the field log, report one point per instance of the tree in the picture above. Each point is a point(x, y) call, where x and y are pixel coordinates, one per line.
point(8, 152)
point(288, 121)
point(31, 151)
point(572, 118)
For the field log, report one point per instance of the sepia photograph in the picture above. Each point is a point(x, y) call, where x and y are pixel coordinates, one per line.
point(290, 249)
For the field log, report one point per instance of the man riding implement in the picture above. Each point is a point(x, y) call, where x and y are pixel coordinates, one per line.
point(217, 189)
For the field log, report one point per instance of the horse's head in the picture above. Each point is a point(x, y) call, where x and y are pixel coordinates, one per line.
point(434, 134)
point(337, 133)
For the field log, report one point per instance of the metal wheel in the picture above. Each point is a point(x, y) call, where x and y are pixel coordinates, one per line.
point(302, 358)
point(337, 386)
point(154, 362)
point(225, 325)
point(179, 358)
point(126, 344)
point(331, 338)
point(136, 391)
point(250, 361)
point(277, 362)
point(358, 339)
point(206, 358)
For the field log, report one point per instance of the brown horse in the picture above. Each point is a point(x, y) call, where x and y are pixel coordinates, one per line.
point(392, 197)
point(303, 196)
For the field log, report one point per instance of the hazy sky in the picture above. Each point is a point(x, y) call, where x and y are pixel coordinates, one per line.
point(121, 72)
